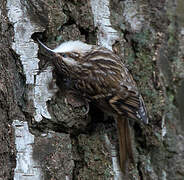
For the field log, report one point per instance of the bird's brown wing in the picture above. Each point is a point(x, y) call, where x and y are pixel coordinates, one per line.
point(104, 76)
point(118, 87)
point(129, 102)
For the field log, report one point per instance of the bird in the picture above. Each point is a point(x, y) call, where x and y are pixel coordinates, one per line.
point(101, 77)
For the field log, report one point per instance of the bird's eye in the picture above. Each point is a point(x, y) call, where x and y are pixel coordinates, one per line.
point(64, 55)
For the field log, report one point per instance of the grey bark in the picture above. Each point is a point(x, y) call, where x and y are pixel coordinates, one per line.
point(55, 139)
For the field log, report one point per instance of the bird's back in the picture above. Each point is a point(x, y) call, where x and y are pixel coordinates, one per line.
point(105, 79)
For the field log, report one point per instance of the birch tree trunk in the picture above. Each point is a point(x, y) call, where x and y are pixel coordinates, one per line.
point(42, 136)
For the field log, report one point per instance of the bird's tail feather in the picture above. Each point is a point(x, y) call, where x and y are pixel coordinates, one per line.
point(125, 146)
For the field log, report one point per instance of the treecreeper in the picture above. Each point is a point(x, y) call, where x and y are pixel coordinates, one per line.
point(101, 77)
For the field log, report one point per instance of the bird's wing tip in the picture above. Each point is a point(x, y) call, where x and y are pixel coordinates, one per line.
point(142, 113)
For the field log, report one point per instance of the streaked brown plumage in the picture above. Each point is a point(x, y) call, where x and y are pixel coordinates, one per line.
point(101, 77)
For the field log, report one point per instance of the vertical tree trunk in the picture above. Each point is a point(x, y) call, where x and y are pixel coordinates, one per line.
point(42, 136)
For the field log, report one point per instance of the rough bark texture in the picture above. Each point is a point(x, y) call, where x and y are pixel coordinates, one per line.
point(70, 144)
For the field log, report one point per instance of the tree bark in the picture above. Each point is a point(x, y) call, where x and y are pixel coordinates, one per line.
point(45, 133)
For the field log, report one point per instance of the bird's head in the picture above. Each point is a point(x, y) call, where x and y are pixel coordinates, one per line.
point(70, 53)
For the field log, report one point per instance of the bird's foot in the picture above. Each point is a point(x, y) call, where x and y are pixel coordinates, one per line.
point(75, 100)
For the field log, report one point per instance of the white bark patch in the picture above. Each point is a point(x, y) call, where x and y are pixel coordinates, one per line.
point(26, 167)
point(164, 130)
point(182, 31)
point(42, 94)
point(106, 34)
point(132, 16)
point(164, 175)
point(27, 49)
point(115, 161)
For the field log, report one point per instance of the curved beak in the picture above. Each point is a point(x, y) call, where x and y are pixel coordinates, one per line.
point(44, 46)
